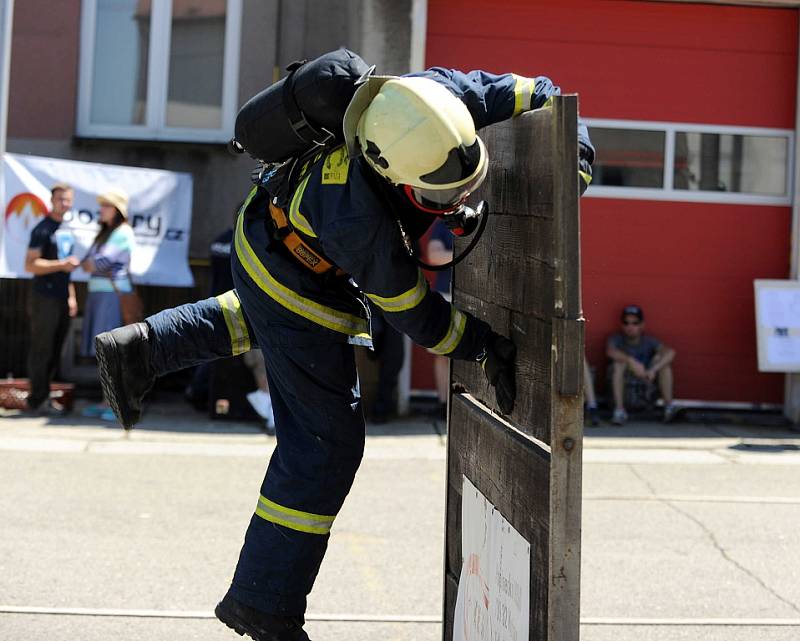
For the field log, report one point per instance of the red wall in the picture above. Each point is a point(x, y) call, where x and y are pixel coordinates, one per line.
point(635, 60)
point(691, 266)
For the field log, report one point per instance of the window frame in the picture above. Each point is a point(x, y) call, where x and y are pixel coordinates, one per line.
point(668, 191)
point(155, 127)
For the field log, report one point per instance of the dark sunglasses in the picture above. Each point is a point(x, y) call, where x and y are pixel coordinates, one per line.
point(631, 322)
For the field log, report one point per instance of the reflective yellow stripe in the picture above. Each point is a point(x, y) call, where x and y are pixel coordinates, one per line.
point(305, 307)
point(250, 196)
point(523, 92)
point(454, 333)
point(406, 300)
point(234, 319)
point(299, 222)
point(293, 519)
point(586, 177)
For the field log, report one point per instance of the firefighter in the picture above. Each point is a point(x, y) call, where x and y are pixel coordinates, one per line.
point(302, 263)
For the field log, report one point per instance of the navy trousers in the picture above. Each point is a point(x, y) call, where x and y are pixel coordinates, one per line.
point(319, 426)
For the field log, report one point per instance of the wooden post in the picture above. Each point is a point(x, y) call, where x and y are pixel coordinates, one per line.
point(524, 279)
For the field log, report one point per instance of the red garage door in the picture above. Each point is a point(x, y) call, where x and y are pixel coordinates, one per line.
point(682, 246)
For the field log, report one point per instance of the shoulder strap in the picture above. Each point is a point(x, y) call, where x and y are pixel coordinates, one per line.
point(302, 128)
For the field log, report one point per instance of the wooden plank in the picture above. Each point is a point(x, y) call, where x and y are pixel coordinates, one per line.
point(515, 236)
point(567, 294)
point(568, 356)
point(565, 520)
point(567, 407)
point(565, 209)
point(510, 469)
point(520, 176)
point(513, 473)
point(533, 338)
point(511, 192)
point(524, 280)
point(517, 283)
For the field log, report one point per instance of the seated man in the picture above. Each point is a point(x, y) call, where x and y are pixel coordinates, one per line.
point(637, 361)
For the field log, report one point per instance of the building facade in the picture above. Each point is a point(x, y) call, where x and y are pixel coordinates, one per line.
point(692, 107)
point(157, 84)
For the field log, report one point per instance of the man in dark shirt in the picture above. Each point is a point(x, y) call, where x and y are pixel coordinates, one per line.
point(52, 300)
point(637, 361)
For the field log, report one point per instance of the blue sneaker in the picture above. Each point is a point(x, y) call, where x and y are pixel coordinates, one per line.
point(93, 411)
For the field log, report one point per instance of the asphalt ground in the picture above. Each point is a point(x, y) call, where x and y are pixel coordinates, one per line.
point(689, 531)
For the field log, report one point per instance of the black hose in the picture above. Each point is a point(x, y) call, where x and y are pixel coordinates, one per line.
point(457, 259)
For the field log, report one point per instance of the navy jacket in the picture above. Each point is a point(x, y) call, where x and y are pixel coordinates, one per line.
point(340, 206)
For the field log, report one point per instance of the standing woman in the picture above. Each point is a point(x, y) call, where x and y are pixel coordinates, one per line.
point(107, 263)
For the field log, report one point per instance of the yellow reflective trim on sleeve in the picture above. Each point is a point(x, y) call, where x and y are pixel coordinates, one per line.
point(300, 222)
point(300, 305)
point(293, 519)
point(523, 93)
point(405, 301)
point(586, 177)
point(234, 319)
point(458, 321)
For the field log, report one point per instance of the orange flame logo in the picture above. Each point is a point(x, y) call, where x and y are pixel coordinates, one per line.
point(27, 201)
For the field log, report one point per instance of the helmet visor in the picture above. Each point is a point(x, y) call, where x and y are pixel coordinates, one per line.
point(447, 199)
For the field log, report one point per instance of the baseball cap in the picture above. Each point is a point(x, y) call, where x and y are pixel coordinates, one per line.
point(632, 310)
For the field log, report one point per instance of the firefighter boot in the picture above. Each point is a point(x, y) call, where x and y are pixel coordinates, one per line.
point(259, 626)
point(123, 356)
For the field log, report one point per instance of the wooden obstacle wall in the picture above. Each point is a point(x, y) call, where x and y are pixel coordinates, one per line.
point(524, 279)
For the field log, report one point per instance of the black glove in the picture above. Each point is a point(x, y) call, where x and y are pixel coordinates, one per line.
point(497, 361)
point(585, 160)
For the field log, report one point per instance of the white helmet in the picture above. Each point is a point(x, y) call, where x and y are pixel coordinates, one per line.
point(417, 135)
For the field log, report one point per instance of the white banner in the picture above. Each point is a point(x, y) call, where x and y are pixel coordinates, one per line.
point(160, 212)
point(493, 598)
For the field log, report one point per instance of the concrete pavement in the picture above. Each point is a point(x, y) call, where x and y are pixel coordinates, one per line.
point(690, 532)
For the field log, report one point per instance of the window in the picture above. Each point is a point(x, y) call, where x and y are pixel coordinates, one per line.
point(629, 158)
point(159, 69)
point(672, 161)
point(734, 163)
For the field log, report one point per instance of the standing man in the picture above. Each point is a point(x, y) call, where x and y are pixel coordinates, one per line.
point(638, 360)
point(52, 300)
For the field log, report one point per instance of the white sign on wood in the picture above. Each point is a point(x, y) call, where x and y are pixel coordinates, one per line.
point(493, 600)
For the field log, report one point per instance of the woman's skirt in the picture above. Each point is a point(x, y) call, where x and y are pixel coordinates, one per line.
point(102, 314)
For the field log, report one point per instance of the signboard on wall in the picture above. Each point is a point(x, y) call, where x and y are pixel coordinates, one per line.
point(159, 211)
point(493, 600)
point(778, 325)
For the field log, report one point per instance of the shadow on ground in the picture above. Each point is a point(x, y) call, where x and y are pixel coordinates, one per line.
point(764, 428)
point(169, 412)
